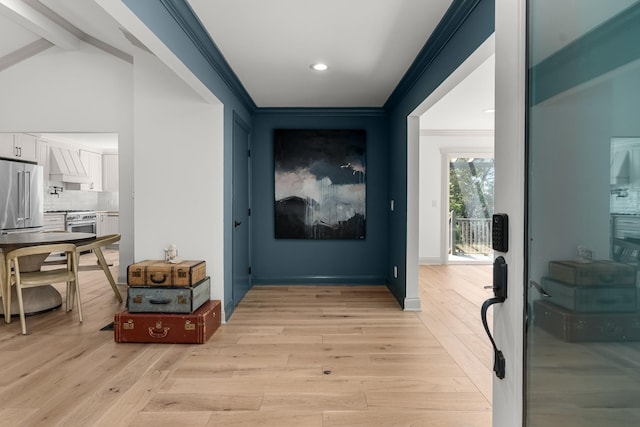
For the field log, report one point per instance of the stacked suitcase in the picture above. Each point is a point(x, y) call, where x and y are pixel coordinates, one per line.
point(595, 301)
point(167, 303)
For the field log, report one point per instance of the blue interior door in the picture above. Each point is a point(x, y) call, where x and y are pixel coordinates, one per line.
point(582, 339)
point(241, 224)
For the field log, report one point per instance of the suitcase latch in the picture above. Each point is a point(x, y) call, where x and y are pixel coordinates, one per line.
point(137, 299)
point(183, 299)
point(188, 326)
point(128, 324)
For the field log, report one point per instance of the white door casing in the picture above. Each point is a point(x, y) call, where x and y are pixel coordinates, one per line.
point(510, 199)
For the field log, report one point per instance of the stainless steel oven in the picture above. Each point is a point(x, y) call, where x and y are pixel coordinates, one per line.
point(81, 222)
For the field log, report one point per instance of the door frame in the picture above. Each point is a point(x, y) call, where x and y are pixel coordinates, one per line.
point(510, 198)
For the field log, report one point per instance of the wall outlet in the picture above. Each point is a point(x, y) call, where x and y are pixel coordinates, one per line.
point(395, 271)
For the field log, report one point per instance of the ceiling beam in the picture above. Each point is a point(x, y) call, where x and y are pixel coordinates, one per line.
point(36, 22)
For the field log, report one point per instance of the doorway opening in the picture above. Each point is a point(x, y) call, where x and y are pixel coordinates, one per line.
point(469, 189)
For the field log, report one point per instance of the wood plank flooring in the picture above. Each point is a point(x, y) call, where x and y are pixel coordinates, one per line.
point(325, 356)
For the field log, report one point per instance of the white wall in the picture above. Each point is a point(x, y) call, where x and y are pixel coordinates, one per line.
point(432, 148)
point(86, 90)
point(178, 171)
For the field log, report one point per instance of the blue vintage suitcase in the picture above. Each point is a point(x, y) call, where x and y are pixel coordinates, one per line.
point(164, 299)
point(591, 299)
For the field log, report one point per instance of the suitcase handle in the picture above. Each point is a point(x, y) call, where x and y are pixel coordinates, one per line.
point(154, 280)
point(606, 277)
point(159, 301)
point(158, 333)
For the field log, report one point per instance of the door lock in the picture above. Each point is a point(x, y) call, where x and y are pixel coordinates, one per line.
point(500, 295)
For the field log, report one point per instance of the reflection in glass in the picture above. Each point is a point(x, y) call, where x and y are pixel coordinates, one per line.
point(582, 358)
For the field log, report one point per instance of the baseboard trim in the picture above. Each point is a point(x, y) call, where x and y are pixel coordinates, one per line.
point(412, 304)
point(429, 260)
point(320, 280)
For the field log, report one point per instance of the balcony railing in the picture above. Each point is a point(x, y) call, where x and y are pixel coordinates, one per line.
point(469, 235)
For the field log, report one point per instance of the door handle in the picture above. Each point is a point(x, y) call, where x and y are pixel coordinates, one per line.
point(500, 295)
point(236, 224)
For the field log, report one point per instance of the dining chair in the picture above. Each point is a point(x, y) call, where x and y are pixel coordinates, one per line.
point(23, 280)
point(96, 246)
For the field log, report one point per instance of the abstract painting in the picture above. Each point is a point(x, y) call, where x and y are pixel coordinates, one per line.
point(320, 190)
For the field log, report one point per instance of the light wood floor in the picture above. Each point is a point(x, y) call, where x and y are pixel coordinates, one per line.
point(290, 356)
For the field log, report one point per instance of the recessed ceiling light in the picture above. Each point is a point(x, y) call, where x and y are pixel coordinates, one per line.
point(319, 66)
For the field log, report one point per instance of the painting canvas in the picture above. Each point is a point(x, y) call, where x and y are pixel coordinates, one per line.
point(320, 189)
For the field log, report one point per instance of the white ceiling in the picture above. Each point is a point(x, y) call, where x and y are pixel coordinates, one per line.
point(367, 44)
point(465, 106)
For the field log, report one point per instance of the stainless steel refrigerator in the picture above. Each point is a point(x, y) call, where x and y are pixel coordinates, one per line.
point(21, 197)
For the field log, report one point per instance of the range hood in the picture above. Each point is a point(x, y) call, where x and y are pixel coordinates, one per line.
point(66, 166)
point(620, 168)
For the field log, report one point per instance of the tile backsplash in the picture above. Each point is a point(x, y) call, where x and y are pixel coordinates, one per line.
point(78, 199)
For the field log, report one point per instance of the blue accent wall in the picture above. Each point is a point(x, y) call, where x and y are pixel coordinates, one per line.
point(465, 26)
point(286, 261)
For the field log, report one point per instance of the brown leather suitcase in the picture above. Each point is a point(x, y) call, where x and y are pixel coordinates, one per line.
point(161, 273)
point(586, 327)
point(192, 328)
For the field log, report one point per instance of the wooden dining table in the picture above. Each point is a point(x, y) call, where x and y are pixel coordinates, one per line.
point(42, 298)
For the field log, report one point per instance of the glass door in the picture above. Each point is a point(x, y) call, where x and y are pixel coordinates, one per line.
point(582, 337)
point(471, 183)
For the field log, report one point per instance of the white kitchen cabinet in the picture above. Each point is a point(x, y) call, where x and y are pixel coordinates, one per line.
point(107, 223)
point(93, 165)
point(110, 180)
point(54, 222)
point(6, 145)
point(113, 223)
point(101, 223)
point(19, 146)
point(43, 160)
